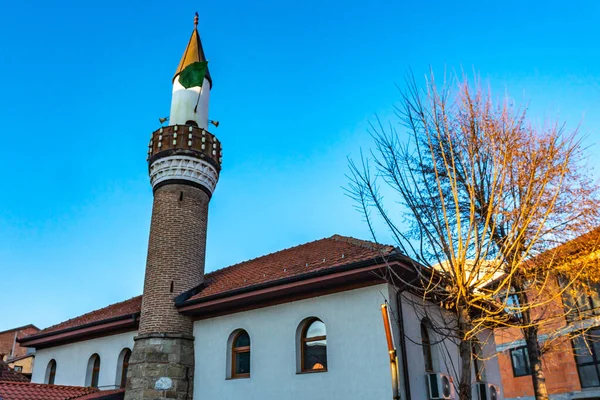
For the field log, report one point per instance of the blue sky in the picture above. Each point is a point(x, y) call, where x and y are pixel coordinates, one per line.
point(295, 84)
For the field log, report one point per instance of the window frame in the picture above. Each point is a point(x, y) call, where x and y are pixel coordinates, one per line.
point(303, 340)
point(595, 357)
point(579, 305)
point(525, 352)
point(478, 362)
point(50, 377)
point(20, 368)
point(426, 345)
point(124, 367)
point(513, 300)
point(92, 376)
point(237, 350)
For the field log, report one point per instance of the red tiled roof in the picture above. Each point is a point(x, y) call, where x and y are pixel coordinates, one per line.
point(7, 374)
point(314, 256)
point(310, 257)
point(120, 309)
point(37, 391)
point(102, 394)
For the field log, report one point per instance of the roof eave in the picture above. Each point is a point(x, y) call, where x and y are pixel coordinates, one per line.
point(317, 283)
point(123, 323)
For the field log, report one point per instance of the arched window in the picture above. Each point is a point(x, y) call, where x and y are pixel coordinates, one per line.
point(50, 372)
point(426, 344)
point(313, 346)
point(240, 355)
point(93, 371)
point(192, 123)
point(122, 365)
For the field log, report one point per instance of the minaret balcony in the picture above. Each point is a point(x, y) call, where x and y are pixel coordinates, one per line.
point(185, 140)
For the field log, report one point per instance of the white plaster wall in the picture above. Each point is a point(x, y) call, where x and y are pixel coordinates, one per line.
point(72, 360)
point(358, 366)
point(184, 101)
point(445, 357)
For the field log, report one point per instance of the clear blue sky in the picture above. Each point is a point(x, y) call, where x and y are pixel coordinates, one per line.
point(295, 84)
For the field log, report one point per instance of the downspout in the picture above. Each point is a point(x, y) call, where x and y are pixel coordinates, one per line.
point(391, 352)
point(403, 345)
point(12, 351)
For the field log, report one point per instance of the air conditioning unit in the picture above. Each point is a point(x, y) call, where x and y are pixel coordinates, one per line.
point(488, 391)
point(440, 386)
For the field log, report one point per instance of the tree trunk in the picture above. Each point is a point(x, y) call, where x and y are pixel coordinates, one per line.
point(465, 350)
point(530, 333)
point(535, 361)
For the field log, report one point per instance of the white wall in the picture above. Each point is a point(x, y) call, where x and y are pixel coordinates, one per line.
point(72, 360)
point(358, 366)
point(445, 353)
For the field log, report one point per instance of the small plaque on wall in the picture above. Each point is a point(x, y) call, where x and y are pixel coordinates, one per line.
point(163, 383)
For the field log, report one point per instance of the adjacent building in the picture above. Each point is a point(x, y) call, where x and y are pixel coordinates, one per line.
point(17, 357)
point(572, 361)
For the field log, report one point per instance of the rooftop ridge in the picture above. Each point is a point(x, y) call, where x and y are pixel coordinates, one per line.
point(20, 327)
point(367, 244)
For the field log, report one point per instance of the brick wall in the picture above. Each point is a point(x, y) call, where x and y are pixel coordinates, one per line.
point(558, 365)
point(7, 338)
point(175, 260)
point(558, 362)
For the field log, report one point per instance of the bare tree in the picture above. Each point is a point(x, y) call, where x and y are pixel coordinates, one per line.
point(483, 194)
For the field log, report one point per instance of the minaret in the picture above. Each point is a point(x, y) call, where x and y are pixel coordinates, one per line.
point(184, 162)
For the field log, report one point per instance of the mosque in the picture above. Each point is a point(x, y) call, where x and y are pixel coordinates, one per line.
point(302, 323)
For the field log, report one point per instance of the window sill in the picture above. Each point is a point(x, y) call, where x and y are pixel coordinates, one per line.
point(316, 371)
point(234, 378)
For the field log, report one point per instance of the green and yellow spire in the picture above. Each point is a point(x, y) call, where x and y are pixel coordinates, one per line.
point(193, 67)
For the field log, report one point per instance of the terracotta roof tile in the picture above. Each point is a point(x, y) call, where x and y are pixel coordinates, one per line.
point(102, 394)
point(122, 308)
point(37, 391)
point(7, 374)
point(322, 254)
point(314, 256)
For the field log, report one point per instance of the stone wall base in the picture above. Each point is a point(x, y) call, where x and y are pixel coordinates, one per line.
point(161, 367)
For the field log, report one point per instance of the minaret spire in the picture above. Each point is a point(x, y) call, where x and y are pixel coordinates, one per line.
point(193, 52)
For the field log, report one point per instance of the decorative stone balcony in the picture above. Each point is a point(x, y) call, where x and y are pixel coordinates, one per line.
point(185, 140)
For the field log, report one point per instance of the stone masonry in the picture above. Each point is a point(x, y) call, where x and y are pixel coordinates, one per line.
point(157, 356)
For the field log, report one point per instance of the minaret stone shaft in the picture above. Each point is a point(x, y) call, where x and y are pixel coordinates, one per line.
point(184, 162)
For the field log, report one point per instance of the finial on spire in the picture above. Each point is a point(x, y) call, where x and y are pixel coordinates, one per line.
point(196, 20)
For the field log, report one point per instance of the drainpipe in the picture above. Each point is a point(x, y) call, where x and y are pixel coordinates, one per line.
point(391, 352)
point(403, 345)
point(12, 351)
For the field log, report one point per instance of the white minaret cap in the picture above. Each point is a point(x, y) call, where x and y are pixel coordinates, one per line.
point(191, 104)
